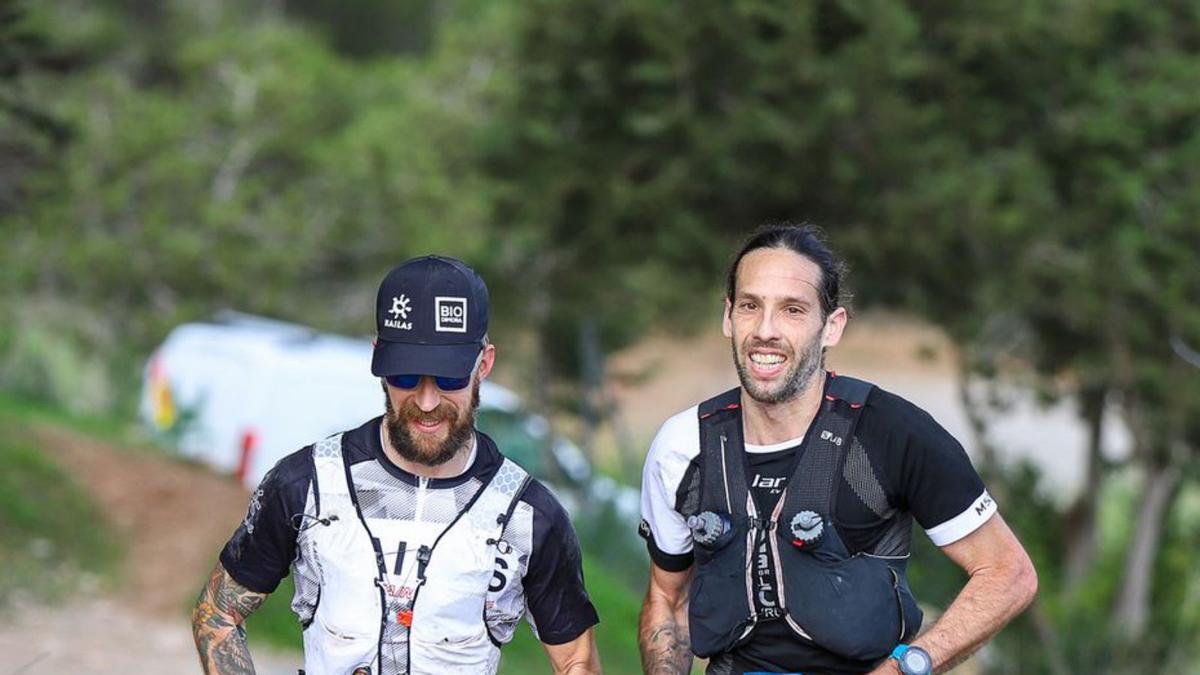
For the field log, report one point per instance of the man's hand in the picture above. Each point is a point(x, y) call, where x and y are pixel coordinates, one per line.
point(1002, 584)
point(663, 628)
point(577, 657)
point(217, 620)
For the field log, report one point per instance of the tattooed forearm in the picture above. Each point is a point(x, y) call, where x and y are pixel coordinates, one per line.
point(666, 649)
point(217, 620)
point(663, 625)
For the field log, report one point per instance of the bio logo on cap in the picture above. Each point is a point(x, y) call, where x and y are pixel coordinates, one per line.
point(400, 309)
point(450, 314)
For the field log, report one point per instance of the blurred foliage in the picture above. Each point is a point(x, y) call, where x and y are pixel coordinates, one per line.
point(53, 539)
point(1021, 174)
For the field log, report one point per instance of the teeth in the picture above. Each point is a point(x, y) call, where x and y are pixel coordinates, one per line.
point(766, 359)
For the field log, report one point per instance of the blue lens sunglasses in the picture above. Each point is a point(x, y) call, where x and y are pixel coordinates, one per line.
point(443, 383)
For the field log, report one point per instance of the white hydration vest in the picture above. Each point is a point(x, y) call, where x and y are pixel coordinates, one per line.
point(403, 596)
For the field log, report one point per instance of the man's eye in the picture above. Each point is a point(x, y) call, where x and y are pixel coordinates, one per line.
point(748, 306)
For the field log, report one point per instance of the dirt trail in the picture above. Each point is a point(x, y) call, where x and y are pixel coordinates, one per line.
point(174, 518)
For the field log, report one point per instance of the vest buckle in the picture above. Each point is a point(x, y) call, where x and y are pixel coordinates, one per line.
point(767, 524)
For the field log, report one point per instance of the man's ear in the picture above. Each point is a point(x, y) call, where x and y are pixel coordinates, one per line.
point(487, 361)
point(727, 320)
point(835, 324)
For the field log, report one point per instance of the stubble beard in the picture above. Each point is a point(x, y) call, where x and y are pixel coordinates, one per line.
point(798, 376)
point(461, 428)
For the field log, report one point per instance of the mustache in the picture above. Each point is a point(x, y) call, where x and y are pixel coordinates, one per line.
point(752, 342)
point(409, 412)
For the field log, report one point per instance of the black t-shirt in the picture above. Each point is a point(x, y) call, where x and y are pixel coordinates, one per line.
point(921, 469)
point(770, 472)
point(264, 546)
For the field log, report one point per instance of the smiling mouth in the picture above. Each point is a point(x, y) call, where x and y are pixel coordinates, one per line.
point(427, 425)
point(766, 364)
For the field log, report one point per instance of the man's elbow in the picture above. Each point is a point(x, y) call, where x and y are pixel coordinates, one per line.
point(1024, 584)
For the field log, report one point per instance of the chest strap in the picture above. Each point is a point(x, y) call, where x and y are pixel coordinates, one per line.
point(813, 484)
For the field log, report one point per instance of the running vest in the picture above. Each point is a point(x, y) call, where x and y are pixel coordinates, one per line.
point(439, 627)
point(857, 606)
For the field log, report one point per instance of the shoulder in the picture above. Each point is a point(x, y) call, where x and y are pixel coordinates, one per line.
point(675, 448)
point(892, 425)
point(677, 440)
point(886, 409)
point(552, 541)
point(290, 476)
point(548, 512)
point(361, 443)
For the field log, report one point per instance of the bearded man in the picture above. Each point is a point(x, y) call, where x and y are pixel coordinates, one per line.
point(416, 546)
point(778, 515)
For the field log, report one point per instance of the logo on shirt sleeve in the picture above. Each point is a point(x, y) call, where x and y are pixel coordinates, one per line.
point(984, 504)
point(644, 529)
point(252, 513)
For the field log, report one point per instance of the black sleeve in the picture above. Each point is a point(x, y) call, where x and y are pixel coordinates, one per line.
point(554, 588)
point(667, 561)
point(929, 473)
point(263, 547)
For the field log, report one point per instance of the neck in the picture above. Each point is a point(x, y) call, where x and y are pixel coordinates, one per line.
point(770, 423)
point(455, 467)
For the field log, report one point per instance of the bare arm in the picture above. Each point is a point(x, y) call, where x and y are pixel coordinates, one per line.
point(1002, 583)
point(217, 624)
point(663, 628)
point(577, 657)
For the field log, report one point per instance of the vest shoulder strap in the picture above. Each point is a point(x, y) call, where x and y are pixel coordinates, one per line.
point(332, 482)
point(498, 499)
point(729, 400)
point(849, 389)
point(722, 464)
point(817, 477)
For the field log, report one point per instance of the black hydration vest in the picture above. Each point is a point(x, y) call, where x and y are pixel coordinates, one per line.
point(856, 606)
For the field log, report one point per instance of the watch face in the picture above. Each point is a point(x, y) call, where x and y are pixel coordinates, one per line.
point(916, 662)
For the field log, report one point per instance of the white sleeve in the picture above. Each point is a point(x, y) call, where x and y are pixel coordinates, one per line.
point(675, 446)
point(978, 513)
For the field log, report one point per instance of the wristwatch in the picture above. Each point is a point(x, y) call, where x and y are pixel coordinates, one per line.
point(913, 660)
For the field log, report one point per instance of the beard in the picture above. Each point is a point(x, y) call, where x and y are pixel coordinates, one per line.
point(429, 452)
point(794, 380)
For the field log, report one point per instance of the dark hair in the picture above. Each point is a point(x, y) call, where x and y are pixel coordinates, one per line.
point(806, 240)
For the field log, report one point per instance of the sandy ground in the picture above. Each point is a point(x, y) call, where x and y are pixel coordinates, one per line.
point(104, 636)
point(175, 517)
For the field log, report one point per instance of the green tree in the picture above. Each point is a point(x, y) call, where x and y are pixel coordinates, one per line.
point(1020, 175)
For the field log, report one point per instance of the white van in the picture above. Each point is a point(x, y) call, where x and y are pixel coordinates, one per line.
point(242, 392)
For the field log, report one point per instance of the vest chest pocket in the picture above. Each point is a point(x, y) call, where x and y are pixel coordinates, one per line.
point(854, 607)
point(326, 650)
point(449, 608)
point(349, 606)
point(720, 581)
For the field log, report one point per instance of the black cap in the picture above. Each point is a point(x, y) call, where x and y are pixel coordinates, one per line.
point(431, 315)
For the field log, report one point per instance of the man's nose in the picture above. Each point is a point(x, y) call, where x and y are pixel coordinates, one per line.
point(427, 396)
point(766, 330)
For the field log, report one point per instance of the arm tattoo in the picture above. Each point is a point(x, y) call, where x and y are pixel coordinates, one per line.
point(217, 624)
point(666, 649)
